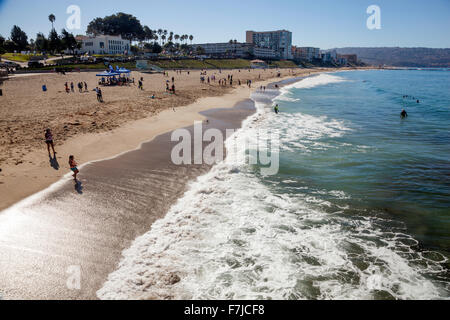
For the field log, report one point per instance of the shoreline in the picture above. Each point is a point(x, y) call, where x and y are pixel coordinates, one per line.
point(28, 179)
point(88, 228)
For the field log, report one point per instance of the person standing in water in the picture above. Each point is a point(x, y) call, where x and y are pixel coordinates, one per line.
point(73, 166)
point(403, 114)
point(276, 109)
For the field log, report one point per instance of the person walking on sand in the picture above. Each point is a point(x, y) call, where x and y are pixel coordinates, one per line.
point(49, 141)
point(85, 87)
point(73, 166)
point(72, 87)
point(99, 94)
point(173, 89)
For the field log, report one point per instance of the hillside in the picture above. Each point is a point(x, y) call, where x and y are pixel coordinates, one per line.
point(401, 57)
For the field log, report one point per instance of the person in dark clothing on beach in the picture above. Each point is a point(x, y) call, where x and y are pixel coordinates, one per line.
point(49, 141)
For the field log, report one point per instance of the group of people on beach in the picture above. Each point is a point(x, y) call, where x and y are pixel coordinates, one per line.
point(170, 89)
point(80, 86)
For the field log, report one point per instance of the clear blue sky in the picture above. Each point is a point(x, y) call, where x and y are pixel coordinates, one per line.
point(322, 23)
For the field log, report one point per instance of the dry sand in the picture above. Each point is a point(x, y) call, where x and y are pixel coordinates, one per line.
point(90, 130)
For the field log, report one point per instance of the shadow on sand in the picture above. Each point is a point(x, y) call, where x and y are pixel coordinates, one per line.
point(54, 162)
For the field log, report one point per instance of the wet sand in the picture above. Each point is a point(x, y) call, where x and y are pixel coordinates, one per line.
point(46, 238)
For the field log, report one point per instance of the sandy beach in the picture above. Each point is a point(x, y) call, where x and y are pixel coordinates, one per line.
point(128, 179)
point(93, 131)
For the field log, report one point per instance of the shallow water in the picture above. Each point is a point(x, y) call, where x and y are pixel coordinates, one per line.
point(358, 209)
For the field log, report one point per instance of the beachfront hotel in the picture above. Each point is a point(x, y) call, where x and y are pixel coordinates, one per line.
point(305, 53)
point(236, 50)
point(280, 41)
point(104, 44)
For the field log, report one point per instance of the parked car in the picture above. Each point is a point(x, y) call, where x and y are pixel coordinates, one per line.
point(35, 64)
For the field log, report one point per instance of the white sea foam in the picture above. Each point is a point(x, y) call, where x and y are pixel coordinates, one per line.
point(231, 236)
point(315, 81)
point(310, 82)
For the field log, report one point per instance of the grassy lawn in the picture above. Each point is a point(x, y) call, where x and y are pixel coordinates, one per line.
point(180, 64)
point(283, 64)
point(18, 57)
point(100, 66)
point(205, 64)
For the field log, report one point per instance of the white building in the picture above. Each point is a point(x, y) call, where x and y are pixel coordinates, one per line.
point(280, 41)
point(264, 53)
point(104, 45)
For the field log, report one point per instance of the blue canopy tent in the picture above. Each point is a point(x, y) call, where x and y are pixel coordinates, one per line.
point(108, 74)
point(123, 70)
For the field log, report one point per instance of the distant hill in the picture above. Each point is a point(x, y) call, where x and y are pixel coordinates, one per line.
point(401, 57)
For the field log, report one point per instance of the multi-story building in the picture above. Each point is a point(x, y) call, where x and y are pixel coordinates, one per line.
point(224, 49)
point(264, 53)
point(329, 56)
point(280, 41)
point(104, 44)
point(351, 58)
point(305, 53)
point(236, 50)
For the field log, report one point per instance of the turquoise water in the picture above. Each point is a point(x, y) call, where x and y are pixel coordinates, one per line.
point(397, 168)
point(358, 210)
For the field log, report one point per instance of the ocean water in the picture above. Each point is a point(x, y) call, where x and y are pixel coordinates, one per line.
point(360, 207)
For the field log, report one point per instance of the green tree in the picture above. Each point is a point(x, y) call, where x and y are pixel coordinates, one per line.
point(148, 33)
point(54, 42)
point(68, 41)
point(41, 43)
point(191, 37)
point(123, 24)
point(19, 38)
point(200, 50)
point(52, 19)
point(2, 43)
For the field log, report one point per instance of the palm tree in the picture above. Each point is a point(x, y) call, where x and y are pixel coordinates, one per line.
point(177, 37)
point(163, 37)
point(191, 37)
point(186, 37)
point(52, 19)
point(171, 36)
